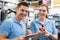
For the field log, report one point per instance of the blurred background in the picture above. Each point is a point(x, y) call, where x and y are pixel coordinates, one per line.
point(7, 10)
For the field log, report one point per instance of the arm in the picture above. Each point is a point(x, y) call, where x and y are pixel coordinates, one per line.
point(32, 26)
point(3, 37)
point(54, 37)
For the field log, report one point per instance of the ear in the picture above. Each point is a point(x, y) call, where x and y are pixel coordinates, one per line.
point(38, 14)
point(16, 9)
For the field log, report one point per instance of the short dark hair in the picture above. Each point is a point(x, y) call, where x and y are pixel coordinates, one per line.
point(23, 3)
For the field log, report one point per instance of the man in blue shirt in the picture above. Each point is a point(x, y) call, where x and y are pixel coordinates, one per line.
point(15, 28)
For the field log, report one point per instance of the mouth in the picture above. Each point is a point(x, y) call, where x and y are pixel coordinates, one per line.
point(23, 15)
point(42, 15)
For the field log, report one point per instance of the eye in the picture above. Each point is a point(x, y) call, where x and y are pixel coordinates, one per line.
point(39, 10)
point(44, 10)
point(26, 11)
point(22, 10)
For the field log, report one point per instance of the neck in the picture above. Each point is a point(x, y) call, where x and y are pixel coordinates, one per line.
point(42, 19)
point(18, 19)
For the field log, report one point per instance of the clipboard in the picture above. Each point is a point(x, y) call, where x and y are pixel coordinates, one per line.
point(30, 36)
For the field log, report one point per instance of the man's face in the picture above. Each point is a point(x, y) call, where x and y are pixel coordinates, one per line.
point(22, 12)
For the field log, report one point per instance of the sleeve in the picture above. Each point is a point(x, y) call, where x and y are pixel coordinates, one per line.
point(54, 28)
point(32, 27)
point(5, 28)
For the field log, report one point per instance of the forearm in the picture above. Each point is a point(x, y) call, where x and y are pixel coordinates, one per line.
point(9, 39)
point(14, 39)
point(54, 37)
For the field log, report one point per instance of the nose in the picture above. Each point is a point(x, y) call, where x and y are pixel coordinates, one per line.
point(41, 12)
point(25, 13)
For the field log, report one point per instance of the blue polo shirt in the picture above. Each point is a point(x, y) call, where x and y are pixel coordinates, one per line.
point(12, 28)
point(49, 26)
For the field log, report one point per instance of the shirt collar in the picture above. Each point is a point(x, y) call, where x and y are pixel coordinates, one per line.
point(37, 20)
point(15, 20)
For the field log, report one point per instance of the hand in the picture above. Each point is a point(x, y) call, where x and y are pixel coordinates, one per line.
point(42, 28)
point(39, 32)
point(47, 34)
point(21, 38)
point(28, 32)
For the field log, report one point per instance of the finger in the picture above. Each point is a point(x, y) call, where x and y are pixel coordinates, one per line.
point(46, 35)
point(26, 38)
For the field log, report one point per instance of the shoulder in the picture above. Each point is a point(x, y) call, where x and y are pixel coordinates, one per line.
point(7, 21)
point(51, 21)
point(35, 21)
